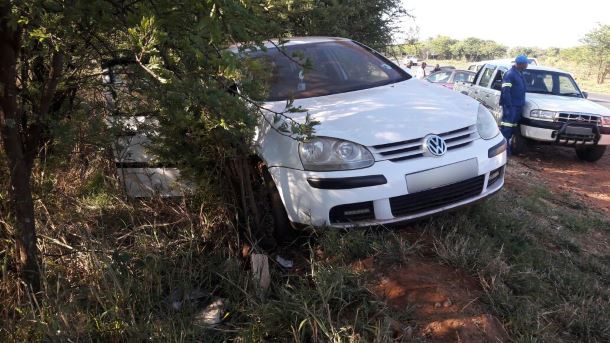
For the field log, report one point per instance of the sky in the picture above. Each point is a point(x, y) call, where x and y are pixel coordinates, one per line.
point(542, 23)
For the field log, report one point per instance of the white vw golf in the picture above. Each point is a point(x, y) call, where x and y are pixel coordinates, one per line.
point(388, 147)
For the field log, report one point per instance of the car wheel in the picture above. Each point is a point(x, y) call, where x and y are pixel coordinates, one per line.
point(518, 143)
point(283, 229)
point(592, 153)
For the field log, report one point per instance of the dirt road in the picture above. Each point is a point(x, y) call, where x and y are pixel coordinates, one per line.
point(564, 172)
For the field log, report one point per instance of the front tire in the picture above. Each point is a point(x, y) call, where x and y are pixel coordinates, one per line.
point(592, 153)
point(283, 229)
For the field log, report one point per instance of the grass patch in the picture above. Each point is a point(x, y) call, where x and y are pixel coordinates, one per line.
point(536, 277)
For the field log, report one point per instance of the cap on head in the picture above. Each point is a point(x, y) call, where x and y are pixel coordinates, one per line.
point(521, 59)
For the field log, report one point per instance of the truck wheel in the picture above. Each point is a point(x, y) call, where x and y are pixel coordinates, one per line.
point(283, 228)
point(592, 153)
point(518, 143)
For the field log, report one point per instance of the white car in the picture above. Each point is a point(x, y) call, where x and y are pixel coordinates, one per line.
point(556, 110)
point(388, 147)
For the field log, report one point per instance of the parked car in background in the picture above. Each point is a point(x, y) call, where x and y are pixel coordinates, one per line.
point(388, 147)
point(413, 60)
point(556, 110)
point(448, 77)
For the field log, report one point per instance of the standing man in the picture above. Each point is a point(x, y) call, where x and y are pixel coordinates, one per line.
point(512, 98)
point(421, 72)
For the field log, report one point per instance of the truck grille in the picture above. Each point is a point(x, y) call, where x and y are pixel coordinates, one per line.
point(413, 148)
point(431, 199)
point(573, 117)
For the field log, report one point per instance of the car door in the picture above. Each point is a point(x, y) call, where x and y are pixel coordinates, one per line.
point(481, 86)
point(492, 99)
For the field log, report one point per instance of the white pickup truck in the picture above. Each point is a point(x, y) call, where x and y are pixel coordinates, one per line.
point(556, 110)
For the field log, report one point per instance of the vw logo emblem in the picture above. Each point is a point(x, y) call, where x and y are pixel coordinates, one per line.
point(436, 145)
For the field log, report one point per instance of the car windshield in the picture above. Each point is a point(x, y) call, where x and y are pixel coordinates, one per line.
point(549, 82)
point(461, 76)
point(441, 76)
point(317, 69)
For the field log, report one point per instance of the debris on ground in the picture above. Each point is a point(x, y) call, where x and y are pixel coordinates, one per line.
point(287, 264)
point(214, 313)
point(260, 273)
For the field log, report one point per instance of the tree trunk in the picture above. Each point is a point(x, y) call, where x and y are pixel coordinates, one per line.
point(12, 134)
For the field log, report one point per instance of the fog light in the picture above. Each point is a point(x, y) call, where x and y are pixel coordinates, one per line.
point(354, 212)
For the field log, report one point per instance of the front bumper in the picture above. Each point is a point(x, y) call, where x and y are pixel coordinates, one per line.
point(547, 131)
point(389, 201)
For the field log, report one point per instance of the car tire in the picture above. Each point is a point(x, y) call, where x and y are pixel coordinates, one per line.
point(518, 143)
point(592, 153)
point(283, 228)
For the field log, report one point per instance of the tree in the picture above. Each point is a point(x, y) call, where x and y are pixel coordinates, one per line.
point(371, 22)
point(598, 42)
point(179, 51)
point(32, 66)
point(440, 47)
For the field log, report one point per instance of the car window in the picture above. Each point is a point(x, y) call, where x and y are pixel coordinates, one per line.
point(550, 82)
point(497, 82)
point(486, 76)
point(567, 85)
point(317, 69)
point(463, 76)
point(441, 76)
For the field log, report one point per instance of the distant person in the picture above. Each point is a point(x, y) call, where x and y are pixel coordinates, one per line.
point(409, 66)
point(512, 98)
point(436, 68)
point(421, 72)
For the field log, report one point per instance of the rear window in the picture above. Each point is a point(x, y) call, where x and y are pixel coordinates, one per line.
point(317, 69)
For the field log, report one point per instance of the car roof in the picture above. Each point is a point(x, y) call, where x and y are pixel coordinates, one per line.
point(532, 67)
point(291, 41)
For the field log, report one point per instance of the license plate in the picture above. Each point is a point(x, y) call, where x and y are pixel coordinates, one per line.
point(579, 130)
point(442, 176)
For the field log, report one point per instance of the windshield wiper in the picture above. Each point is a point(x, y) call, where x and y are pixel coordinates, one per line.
point(571, 94)
point(540, 92)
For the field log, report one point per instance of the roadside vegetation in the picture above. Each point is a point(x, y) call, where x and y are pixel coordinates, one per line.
point(114, 269)
point(589, 62)
point(80, 261)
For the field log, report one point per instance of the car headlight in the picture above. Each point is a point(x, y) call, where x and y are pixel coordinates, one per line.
point(542, 114)
point(326, 154)
point(605, 121)
point(486, 124)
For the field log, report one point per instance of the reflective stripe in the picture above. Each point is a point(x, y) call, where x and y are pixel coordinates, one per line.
point(507, 124)
point(507, 84)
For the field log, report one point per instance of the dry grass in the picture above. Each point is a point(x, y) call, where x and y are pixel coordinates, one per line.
point(111, 267)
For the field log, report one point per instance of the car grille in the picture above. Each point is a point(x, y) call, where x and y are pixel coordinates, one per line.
point(436, 198)
point(413, 148)
point(352, 212)
point(584, 118)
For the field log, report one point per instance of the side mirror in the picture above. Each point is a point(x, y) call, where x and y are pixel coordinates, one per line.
point(585, 94)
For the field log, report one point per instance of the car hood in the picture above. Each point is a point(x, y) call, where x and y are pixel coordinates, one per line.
point(565, 104)
point(392, 113)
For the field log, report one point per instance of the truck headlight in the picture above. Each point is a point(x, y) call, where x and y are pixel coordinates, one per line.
point(326, 154)
point(542, 114)
point(486, 124)
point(605, 121)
